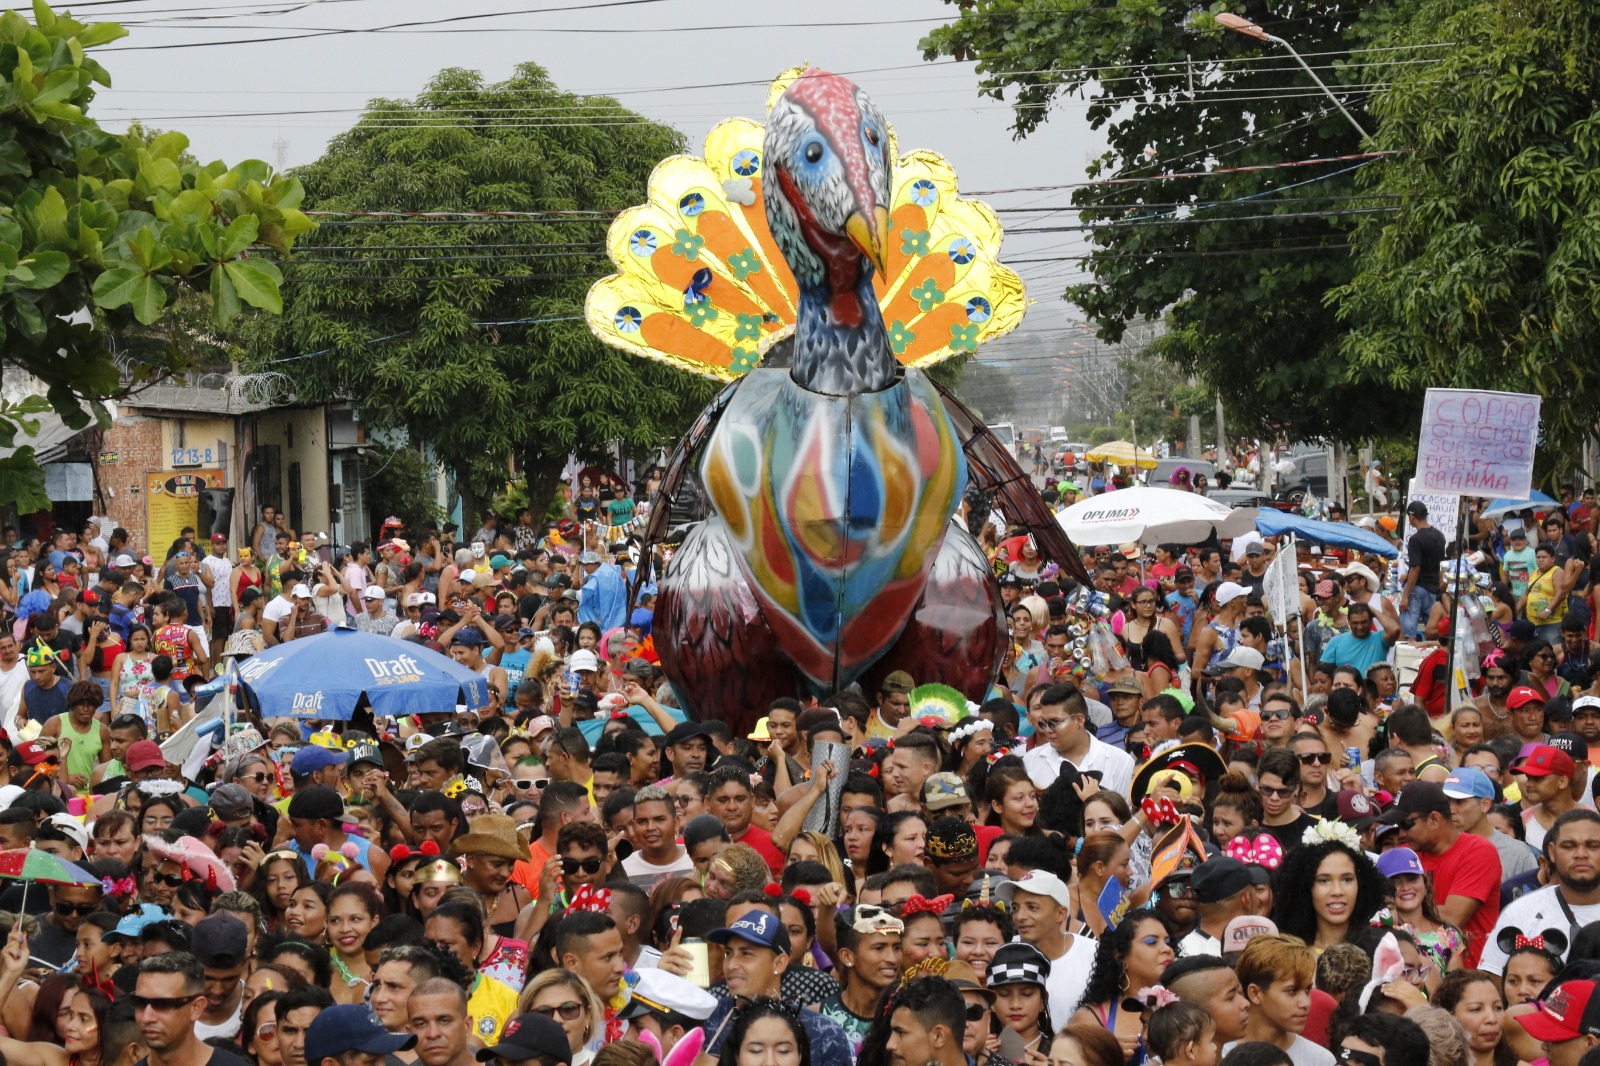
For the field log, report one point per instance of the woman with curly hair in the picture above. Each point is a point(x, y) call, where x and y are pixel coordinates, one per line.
point(1126, 959)
point(981, 930)
point(1343, 886)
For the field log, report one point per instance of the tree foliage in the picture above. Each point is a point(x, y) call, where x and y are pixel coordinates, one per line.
point(468, 332)
point(1487, 276)
point(89, 219)
point(1239, 262)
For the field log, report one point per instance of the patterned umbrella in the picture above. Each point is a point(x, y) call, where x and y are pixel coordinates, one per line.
point(31, 864)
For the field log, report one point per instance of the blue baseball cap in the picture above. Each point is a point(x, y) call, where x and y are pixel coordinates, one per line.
point(314, 757)
point(352, 1027)
point(1392, 863)
point(1469, 782)
point(131, 925)
point(760, 928)
point(468, 637)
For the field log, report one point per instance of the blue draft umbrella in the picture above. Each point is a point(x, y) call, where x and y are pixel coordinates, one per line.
point(1537, 500)
point(1328, 534)
point(326, 676)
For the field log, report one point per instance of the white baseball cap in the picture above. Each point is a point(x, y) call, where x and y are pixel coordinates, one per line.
point(1039, 883)
point(1229, 591)
point(1248, 658)
point(373, 592)
point(414, 599)
point(583, 660)
point(301, 592)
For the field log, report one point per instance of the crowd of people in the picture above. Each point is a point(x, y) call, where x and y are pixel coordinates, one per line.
point(1156, 839)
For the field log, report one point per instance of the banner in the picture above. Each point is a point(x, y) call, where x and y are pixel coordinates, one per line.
point(1444, 514)
point(1478, 443)
point(1280, 587)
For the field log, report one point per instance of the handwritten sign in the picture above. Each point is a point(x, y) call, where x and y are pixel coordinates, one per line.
point(1444, 514)
point(1280, 587)
point(1478, 443)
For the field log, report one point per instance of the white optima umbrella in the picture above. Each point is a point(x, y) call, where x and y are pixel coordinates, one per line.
point(1152, 516)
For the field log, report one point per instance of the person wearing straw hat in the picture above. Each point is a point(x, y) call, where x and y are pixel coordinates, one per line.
point(492, 848)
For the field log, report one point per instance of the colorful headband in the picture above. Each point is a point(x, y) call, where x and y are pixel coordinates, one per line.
point(428, 849)
point(970, 728)
point(1263, 851)
point(589, 898)
point(1160, 811)
point(1155, 997)
point(922, 905)
point(1512, 939)
point(122, 888)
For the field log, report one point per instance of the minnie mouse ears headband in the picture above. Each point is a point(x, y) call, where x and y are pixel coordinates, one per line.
point(1513, 939)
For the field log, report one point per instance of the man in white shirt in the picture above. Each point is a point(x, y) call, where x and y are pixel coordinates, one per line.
point(1566, 906)
point(1040, 905)
point(660, 856)
point(1061, 720)
point(13, 675)
point(216, 573)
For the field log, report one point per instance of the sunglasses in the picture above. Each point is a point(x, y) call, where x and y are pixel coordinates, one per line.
point(1178, 889)
point(170, 880)
point(588, 866)
point(1268, 790)
point(567, 1012)
point(162, 1003)
point(1273, 716)
point(267, 1031)
point(68, 909)
point(525, 784)
point(976, 1011)
point(1321, 757)
point(258, 778)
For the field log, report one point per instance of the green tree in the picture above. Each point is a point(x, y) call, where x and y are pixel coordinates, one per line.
point(124, 224)
point(1487, 278)
point(1239, 262)
point(468, 332)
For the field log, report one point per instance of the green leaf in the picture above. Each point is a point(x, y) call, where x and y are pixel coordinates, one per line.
point(22, 482)
point(42, 270)
point(101, 33)
point(59, 86)
point(257, 282)
point(241, 234)
point(224, 299)
point(49, 216)
point(115, 286)
point(149, 297)
point(14, 160)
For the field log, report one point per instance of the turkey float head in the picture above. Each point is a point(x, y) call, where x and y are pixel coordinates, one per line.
point(827, 203)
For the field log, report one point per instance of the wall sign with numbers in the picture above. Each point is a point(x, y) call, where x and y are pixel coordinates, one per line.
point(195, 456)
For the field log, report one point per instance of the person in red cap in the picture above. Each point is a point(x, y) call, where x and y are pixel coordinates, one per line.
point(1527, 714)
point(1567, 1022)
point(1547, 791)
point(216, 573)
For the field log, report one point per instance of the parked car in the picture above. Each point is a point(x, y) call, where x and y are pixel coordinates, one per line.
point(1161, 475)
point(1234, 498)
point(1310, 475)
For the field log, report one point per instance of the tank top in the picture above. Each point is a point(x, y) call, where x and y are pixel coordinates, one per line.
point(81, 760)
point(248, 582)
point(134, 673)
point(1230, 640)
point(173, 642)
point(1541, 596)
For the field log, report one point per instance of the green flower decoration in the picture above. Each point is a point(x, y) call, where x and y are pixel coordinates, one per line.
point(744, 264)
point(928, 295)
point(687, 244)
point(701, 312)
point(964, 337)
point(749, 328)
point(743, 361)
point(900, 338)
point(914, 242)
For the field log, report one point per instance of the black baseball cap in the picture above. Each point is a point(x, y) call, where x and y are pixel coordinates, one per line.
point(1218, 878)
point(1419, 797)
point(530, 1036)
point(220, 940)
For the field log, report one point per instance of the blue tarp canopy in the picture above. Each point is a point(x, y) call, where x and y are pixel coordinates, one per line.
point(1328, 534)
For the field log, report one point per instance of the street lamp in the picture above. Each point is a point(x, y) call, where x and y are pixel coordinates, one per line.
point(1243, 25)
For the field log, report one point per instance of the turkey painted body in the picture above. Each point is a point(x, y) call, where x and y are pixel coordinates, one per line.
point(834, 478)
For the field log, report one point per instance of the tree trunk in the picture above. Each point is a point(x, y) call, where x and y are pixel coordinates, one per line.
point(543, 474)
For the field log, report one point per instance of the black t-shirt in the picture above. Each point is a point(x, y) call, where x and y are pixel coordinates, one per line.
point(529, 605)
point(1288, 836)
point(1424, 553)
point(587, 510)
point(218, 1058)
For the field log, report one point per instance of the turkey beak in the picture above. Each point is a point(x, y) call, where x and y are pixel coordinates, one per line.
point(868, 235)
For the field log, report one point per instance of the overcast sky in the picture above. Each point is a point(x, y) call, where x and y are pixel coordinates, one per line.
point(648, 53)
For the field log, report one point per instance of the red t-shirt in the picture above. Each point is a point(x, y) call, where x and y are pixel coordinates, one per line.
point(1320, 1018)
point(761, 840)
point(1471, 868)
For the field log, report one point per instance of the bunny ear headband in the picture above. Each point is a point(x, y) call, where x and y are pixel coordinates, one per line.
point(1513, 939)
point(1387, 964)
